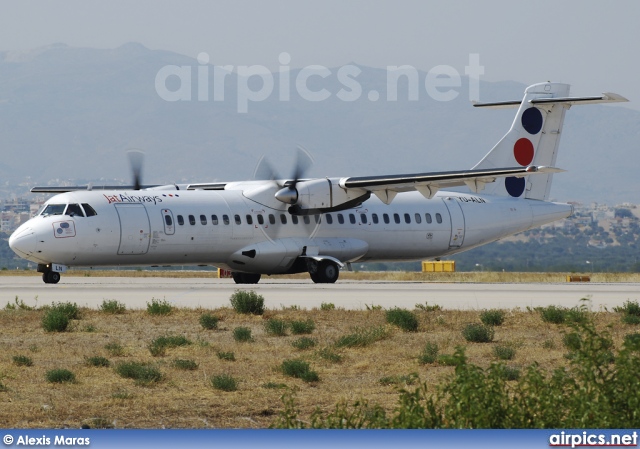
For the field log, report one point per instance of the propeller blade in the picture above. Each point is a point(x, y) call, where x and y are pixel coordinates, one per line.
point(304, 161)
point(136, 158)
point(264, 171)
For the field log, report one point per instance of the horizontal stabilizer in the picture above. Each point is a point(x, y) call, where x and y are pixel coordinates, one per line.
point(607, 97)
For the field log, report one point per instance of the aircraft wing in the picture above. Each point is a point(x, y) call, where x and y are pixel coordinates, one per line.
point(386, 187)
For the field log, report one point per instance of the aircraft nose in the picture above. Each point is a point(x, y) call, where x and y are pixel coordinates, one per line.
point(23, 241)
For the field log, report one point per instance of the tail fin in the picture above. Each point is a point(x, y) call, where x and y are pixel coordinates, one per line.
point(533, 138)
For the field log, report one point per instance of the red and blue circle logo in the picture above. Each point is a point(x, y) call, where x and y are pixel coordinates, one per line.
point(523, 149)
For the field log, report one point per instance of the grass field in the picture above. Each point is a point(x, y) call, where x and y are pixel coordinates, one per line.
point(203, 378)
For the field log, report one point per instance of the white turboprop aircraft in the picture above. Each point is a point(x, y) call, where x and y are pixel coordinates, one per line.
point(312, 225)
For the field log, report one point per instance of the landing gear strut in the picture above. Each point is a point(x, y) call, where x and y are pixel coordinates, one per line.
point(323, 272)
point(245, 278)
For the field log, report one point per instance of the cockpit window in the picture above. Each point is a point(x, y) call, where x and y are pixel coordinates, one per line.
point(54, 209)
point(88, 210)
point(74, 210)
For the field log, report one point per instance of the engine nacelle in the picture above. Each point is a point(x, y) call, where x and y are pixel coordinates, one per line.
point(323, 195)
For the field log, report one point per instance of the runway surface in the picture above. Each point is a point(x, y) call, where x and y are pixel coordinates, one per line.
point(135, 293)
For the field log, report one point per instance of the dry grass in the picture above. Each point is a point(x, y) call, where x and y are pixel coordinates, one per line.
point(186, 399)
point(472, 277)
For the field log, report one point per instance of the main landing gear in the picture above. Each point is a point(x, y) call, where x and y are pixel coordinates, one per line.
point(324, 271)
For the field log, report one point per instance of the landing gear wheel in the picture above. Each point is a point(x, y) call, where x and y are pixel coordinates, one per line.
point(51, 277)
point(245, 278)
point(323, 272)
point(328, 272)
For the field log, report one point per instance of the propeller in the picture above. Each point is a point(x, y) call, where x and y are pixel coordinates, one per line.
point(289, 194)
point(136, 158)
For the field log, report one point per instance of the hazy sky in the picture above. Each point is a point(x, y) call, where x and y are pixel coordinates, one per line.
point(590, 44)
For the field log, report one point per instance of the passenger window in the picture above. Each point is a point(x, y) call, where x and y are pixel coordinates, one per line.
point(428, 217)
point(238, 219)
point(306, 219)
point(316, 218)
point(249, 219)
point(214, 220)
point(374, 217)
point(260, 219)
point(352, 219)
point(340, 219)
point(283, 219)
point(328, 218)
point(74, 210)
point(407, 218)
point(363, 218)
point(418, 218)
point(294, 219)
point(396, 218)
point(203, 219)
point(385, 217)
point(88, 210)
point(180, 220)
point(192, 220)
point(272, 219)
point(439, 218)
point(167, 220)
point(225, 219)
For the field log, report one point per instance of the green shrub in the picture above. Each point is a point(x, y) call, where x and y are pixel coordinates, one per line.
point(493, 317)
point(274, 326)
point(55, 321)
point(404, 319)
point(242, 334)
point(427, 308)
point(60, 376)
point(553, 314)
point(299, 369)
point(632, 341)
point(157, 307)
point(115, 349)
point(504, 352)
point(98, 361)
point(185, 364)
point(209, 321)
point(19, 304)
point(159, 346)
point(247, 302)
point(429, 354)
point(448, 360)
point(71, 310)
point(3, 388)
point(407, 379)
point(577, 315)
point(229, 356)
point(303, 343)
point(22, 360)
point(628, 308)
point(302, 327)
point(140, 372)
point(510, 373)
point(330, 355)
point(362, 337)
point(327, 306)
point(478, 333)
point(113, 307)
point(630, 319)
point(224, 382)
point(572, 341)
